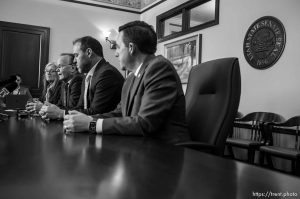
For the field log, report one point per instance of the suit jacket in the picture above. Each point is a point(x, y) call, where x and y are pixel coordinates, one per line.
point(54, 94)
point(104, 92)
point(73, 93)
point(153, 105)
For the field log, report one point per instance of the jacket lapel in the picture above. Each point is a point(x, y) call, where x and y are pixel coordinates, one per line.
point(91, 89)
point(127, 87)
point(138, 79)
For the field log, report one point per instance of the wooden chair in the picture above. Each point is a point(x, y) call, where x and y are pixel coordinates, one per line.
point(212, 100)
point(234, 133)
point(292, 154)
point(255, 121)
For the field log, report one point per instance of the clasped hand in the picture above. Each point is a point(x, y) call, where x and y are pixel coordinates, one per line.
point(51, 111)
point(76, 122)
point(34, 106)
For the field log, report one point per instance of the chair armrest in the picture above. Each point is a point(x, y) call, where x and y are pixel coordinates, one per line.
point(199, 146)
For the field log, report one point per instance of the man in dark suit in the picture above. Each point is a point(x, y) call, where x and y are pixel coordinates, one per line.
point(70, 88)
point(152, 102)
point(101, 88)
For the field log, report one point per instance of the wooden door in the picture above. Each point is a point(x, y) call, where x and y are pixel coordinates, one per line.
point(24, 50)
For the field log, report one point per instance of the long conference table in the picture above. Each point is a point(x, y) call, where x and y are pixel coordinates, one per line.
point(38, 160)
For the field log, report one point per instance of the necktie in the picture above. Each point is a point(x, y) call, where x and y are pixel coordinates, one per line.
point(86, 87)
point(66, 94)
point(131, 82)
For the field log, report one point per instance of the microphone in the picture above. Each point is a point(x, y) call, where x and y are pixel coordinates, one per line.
point(8, 89)
point(7, 81)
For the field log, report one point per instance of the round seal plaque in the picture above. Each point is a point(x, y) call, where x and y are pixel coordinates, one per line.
point(264, 42)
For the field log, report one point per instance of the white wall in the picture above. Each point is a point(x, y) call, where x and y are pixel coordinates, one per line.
point(67, 21)
point(275, 89)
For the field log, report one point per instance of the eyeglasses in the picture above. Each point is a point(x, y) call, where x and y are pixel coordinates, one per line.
point(63, 65)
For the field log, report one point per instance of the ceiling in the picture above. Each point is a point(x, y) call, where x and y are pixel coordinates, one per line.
point(139, 4)
point(134, 6)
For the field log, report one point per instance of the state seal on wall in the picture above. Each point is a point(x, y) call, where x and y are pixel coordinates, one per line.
point(264, 42)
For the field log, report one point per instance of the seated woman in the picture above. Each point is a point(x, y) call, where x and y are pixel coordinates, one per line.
point(51, 88)
point(21, 90)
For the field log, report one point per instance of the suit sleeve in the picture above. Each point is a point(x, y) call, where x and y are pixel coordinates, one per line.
point(115, 113)
point(75, 92)
point(160, 94)
point(60, 100)
point(79, 105)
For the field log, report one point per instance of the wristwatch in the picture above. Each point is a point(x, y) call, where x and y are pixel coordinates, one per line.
point(93, 124)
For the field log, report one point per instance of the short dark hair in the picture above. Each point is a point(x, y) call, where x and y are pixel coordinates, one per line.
point(141, 34)
point(71, 55)
point(90, 42)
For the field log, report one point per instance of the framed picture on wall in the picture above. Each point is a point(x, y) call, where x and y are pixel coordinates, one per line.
point(184, 54)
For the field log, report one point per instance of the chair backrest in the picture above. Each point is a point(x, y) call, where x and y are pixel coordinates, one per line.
point(239, 115)
point(292, 122)
point(257, 120)
point(235, 131)
point(212, 100)
point(261, 117)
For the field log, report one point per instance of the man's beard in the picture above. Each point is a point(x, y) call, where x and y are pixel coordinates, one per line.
point(123, 68)
point(85, 68)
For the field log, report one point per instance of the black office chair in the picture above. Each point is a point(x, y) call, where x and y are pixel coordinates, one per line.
point(212, 100)
point(292, 154)
point(256, 121)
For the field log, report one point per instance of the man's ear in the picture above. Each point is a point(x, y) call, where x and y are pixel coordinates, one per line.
point(73, 68)
point(131, 48)
point(89, 52)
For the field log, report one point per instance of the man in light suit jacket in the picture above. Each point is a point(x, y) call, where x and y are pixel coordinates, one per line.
point(101, 88)
point(152, 102)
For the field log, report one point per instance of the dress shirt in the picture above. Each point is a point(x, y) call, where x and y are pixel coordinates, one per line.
point(100, 121)
point(16, 91)
point(88, 80)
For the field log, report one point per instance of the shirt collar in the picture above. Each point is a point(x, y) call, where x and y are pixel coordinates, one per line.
point(138, 70)
point(91, 72)
point(70, 81)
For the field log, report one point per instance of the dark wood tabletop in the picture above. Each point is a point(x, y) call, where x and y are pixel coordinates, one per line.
point(38, 160)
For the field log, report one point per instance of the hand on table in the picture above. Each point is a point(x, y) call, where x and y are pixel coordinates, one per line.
point(51, 111)
point(76, 122)
point(34, 106)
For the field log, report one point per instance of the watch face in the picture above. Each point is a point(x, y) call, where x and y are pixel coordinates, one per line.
point(92, 126)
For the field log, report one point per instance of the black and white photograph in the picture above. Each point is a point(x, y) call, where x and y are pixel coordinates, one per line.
point(149, 99)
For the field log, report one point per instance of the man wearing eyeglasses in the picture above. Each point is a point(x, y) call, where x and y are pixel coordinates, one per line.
point(70, 89)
